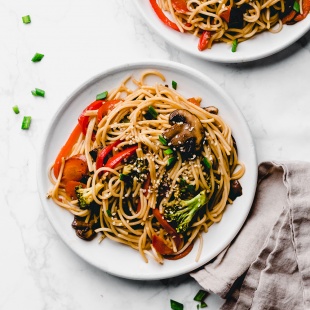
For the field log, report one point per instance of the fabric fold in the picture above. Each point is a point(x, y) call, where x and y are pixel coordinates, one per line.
point(267, 265)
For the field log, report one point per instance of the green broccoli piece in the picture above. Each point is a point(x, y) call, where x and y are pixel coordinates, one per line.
point(85, 195)
point(183, 211)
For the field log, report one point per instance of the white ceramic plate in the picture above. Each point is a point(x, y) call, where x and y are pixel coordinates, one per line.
point(118, 259)
point(260, 46)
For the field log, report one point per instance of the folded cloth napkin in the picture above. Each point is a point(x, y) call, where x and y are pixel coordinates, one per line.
point(267, 266)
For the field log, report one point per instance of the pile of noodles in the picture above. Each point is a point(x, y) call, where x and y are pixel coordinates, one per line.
point(206, 15)
point(117, 217)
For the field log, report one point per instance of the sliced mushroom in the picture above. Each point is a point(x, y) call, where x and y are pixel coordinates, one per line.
point(212, 109)
point(82, 229)
point(186, 133)
point(235, 189)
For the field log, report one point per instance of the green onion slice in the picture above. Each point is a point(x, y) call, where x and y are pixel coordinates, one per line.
point(171, 161)
point(109, 213)
point(168, 152)
point(26, 19)
point(102, 96)
point(296, 7)
point(38, 92)
point(234, 45)
point(152, 112)
point(15, 109)
point(201, 295)
point(162, 140)
point(37, 57)
point(175, 305)
point(206, 162)
point(203, 305)
point(174, 84)
point(26, 122)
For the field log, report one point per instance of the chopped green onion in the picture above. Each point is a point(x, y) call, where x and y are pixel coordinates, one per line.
point(201, 295)
point(203, 305)
point(26, 122)
point(175, 305)
point(206, 162)
point(171, 161)
point(26, 19)
point(102, 96)
point(37, 57)
point(168, 152)
point(152, 112)
point(109, 213)
point(162, 140)
point(296, 7)
point(124, 177)
point(38, 92)
point(234, 45)
point(174, 84)
point(15, 109)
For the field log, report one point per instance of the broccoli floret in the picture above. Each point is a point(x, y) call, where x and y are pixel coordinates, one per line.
point(183, 211)
point(85, 195)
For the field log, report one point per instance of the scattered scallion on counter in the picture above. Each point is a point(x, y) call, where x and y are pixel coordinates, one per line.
point(38, 92)
point(201, 295)
point(26, 19)
point(174, 84)
point(102, 96)
point(234, 45)
point(37, 57)
point(203, 305)
point(296, 7)
point(26, 122)
point(175, 305)
point(15, 109)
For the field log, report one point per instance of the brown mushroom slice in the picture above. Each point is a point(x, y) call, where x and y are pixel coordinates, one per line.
point(212, 109)
point(186, 133)
point(83, 230)
point(235, 189)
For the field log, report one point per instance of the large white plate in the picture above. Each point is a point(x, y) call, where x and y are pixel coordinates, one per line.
point(118, 259)
point(260, 46)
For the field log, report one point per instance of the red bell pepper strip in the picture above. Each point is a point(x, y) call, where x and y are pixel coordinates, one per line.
point(167, 227)
point(286, 19)
point(117, 158)
point(204, 40)
point(181, 255)
point(305, 11)
point(107, 105)
point(226, 14)
point(66, 149)
point(180, 6)
point(83, 119)
point(160, 14)
point(160, 245)
point(104, 153)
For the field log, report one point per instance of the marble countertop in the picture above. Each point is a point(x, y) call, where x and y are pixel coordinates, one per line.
point(79, 40)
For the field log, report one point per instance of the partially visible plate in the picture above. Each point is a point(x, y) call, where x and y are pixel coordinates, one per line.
point(118, 259)
point(260, 46)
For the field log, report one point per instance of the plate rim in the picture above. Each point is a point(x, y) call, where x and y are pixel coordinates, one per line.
point(137, 65)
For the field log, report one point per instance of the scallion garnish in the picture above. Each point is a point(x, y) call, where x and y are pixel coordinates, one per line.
point(174, 84)
point(26, 122)
point(175, 305)
point(38, 92)
point(162, 140)
point(296, 7)
point(203, 305)
point(206, 162)
point(102, 96)
point(234, 45)
point(168, 152)
point(37, 57)
point(152, 112)
point(26, 19)
point(109, 213)
point(15, 109)
point(124, 177)
point(201, 295)
point(170, 162)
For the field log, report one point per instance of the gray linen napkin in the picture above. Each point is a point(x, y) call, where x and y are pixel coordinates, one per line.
point(267, 266)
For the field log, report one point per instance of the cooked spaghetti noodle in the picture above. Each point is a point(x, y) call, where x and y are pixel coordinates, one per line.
point(121, 173)
point(229, 21)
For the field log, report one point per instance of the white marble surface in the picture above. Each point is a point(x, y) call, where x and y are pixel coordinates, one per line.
point(80, 39)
